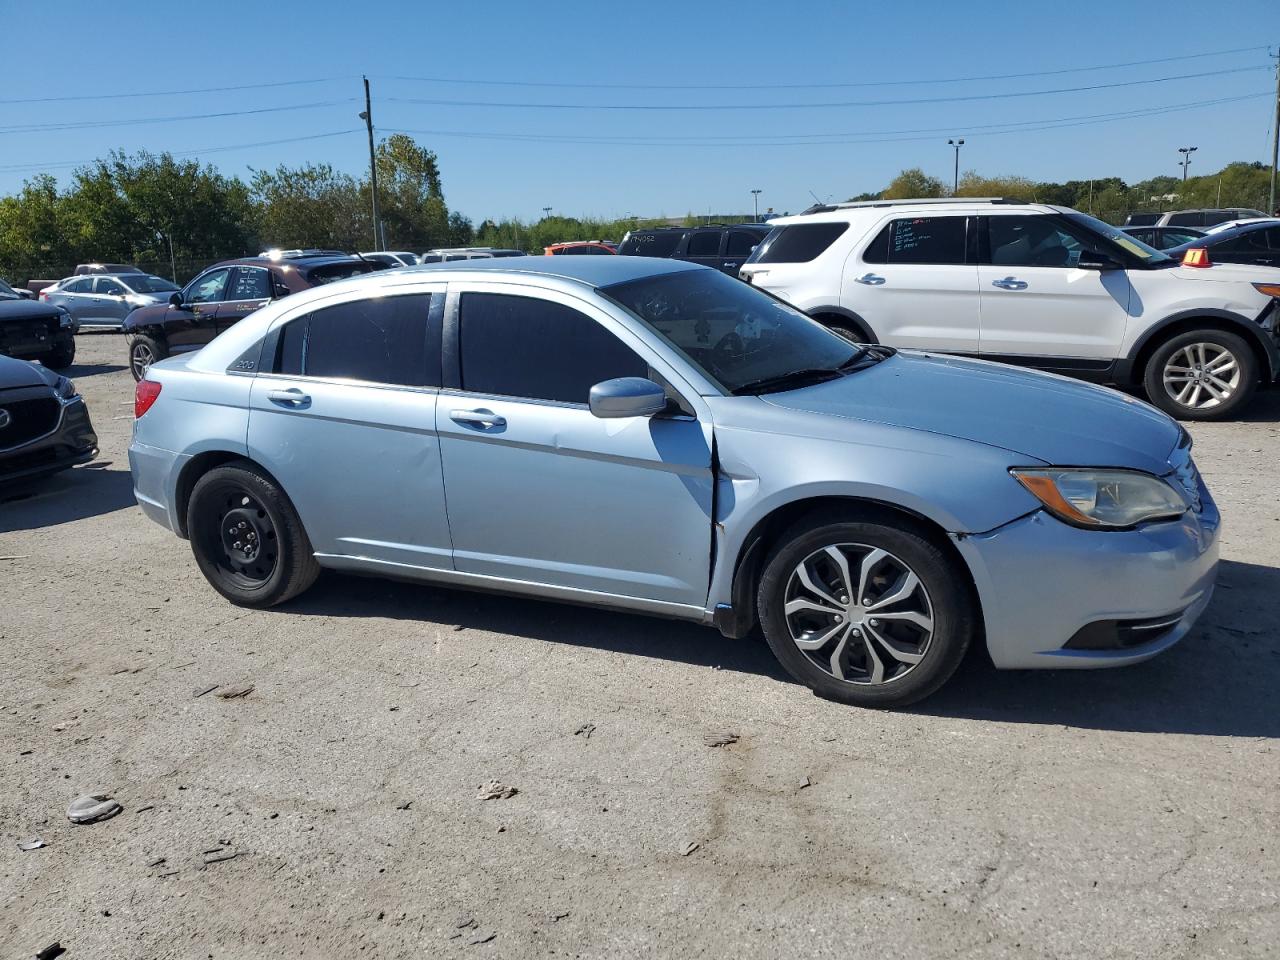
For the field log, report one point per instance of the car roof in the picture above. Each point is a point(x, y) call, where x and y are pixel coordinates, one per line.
point(1217, 236)
point(594, 271)
point(311, 261)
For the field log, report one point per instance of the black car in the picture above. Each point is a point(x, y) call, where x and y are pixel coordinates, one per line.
point(44, 424)
point(1164, 238)
point(224, 294)
point(36, 331)
point(1256, 243)
point(715, 245)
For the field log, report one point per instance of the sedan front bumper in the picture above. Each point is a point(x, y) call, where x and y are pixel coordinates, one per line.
point(1041, 582)
point(70, 442)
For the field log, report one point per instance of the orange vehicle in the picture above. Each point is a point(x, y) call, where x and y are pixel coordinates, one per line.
point(581, 247)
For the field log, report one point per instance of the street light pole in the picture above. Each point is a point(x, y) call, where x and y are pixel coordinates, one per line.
point(957, 144)
point(367, 117)
point(546, 212)
point(755, 203)
point(1186, 159)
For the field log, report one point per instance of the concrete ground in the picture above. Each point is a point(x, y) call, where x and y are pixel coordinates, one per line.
point(1128, 813)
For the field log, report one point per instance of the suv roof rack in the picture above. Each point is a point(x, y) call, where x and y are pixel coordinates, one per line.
point(922, 201)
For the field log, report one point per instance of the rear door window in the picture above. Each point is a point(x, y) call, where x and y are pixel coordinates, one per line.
point(741, 243)
point(83, 285)
point(933, 240)
point(526, 347)
point(797, 243)
point(383, 340)
point(704, 243)
point(250, 283)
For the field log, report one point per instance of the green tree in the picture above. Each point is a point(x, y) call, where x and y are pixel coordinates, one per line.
point(913, 184)
point(973, 185)
point(311, 206)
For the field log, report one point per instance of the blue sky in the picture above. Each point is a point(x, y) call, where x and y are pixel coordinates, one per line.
point(574, 157)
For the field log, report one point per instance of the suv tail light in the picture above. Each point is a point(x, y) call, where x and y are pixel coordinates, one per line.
point(144, 395)
point(1196, 257)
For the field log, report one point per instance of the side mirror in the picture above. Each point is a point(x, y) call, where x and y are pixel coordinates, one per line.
point(627, 397)
point(175, 299)
point(1093, 260)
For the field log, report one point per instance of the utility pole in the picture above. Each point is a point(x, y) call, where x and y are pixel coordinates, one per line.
point(367, 117)
point(957, 144)
point(546, 212)
point(755, 202)
point(1275, 138)
point(1186, 159)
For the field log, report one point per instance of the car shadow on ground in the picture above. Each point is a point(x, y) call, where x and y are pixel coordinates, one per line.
point(1219, 681)
point(88, 491)
point(339, 595)
point(1263, 408)
point(77, 370)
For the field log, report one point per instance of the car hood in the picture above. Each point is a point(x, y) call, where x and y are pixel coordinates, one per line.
point(20, 373)
point(26, 310)
point(1049, 418)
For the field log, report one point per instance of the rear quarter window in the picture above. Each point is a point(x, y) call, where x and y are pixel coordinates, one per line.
point(650, 244)
point(798, 242)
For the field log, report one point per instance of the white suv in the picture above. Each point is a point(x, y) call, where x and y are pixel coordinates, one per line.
point(1032, 284)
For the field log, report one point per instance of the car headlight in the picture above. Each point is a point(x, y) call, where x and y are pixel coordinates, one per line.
point(65, 389)
point(1103, 499)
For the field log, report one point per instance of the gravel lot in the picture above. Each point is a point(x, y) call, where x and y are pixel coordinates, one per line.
point(1128, 813)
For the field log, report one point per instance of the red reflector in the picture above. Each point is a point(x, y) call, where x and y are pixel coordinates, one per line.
point(144, 395)
point(1196, 257)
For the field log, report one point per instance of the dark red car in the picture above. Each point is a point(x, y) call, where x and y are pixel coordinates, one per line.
point(223, 294)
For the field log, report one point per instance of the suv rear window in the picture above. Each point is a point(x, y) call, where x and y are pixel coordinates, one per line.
point(798, 243)
point(650, 244)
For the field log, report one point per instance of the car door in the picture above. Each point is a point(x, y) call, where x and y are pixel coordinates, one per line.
point(1037, 304)
point(194, 324)
point(344, 418)
point(704, 247)
point(110, 301)
point(916, 283)
point(738, 245)
point(248, 288)
point(76, 296)
point(539, 489)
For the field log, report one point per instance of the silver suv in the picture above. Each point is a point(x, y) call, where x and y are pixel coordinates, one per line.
point(655, 436)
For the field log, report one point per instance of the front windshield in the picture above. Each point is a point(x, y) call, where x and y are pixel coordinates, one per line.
point(145, 283)
point(1131, 245)
point(733, 332)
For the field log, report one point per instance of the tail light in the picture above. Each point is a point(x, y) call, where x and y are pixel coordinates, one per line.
point(144, 395)
point(1196, 257)
point(44, 295)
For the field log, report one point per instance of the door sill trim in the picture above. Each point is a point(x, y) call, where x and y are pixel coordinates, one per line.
point(525, 588)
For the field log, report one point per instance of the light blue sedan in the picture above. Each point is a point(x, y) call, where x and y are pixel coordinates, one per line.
point(655, 436)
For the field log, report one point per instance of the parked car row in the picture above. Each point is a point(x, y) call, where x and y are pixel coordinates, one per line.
point(650, 435)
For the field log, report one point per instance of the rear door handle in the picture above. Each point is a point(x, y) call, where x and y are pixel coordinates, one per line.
point(292, 397)
point(479, 418)
point(1010, 283)
point(870, 279)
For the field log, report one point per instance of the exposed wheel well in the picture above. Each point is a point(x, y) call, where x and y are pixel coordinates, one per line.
point(1186, 325)
point(196, 468)
point(830, 318)
point(750, 561)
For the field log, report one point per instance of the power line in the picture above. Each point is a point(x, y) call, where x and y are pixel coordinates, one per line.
point(94, 124)
point(19, 167)
point(1026, 126)
point(821, 86)
point(812, 139)
point(171, 93)
point(441, 102)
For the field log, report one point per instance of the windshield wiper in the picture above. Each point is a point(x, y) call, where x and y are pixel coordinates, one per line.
point(789, 380)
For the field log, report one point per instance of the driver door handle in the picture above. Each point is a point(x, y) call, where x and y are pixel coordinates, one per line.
point(478, 418)
point(293, 397)
point(1010, 283)
point(870, 279)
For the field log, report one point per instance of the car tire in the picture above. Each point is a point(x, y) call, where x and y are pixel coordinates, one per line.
point(843, 328)
point(907, 652)
point(247, 538)
point(145, 350)
point(1186, 374)
point(60, 357)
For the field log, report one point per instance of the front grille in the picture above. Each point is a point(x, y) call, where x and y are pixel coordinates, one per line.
point(1122, 634)
point(27, 420)
point(25, 333)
